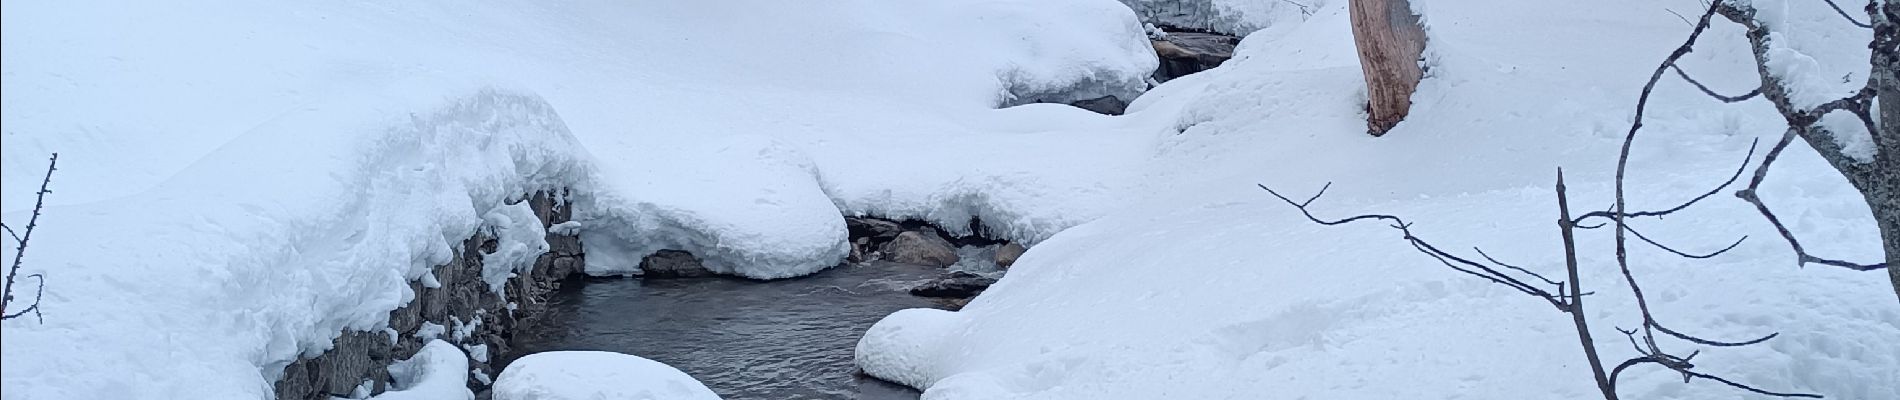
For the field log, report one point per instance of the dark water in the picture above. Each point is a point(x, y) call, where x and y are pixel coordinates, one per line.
point(785, 339)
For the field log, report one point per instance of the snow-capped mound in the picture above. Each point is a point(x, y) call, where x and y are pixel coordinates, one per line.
point(1111, 58)
point(585, 375)
point(900, 347)
point(437, 372)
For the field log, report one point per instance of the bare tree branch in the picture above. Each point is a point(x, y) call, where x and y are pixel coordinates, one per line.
point(16, 236)
point(1679, 207)
point(1751, 195)
point(19, 253)
point(1711, 92)
point(1652, 242)
point(1850, 18)
point(35, 308)
point(1452, 261)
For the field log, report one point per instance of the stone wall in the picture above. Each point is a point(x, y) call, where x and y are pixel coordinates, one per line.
point(463, 311)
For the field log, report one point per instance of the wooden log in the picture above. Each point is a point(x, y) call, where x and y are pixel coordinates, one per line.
point(1390, 42)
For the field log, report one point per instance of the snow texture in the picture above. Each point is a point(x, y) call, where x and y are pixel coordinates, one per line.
point(519, 238)
point(584, 375)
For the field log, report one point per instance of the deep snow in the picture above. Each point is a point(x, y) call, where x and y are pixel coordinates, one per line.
point(1212, 289)
point(240, 181)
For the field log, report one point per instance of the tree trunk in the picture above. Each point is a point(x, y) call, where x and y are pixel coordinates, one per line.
point(1889, 218)
point(1883, 189)
point(1390, 42)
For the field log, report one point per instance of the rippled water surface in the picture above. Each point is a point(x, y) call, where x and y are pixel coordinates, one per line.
point(786, 339)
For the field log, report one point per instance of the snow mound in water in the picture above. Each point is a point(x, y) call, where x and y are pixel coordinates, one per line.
point(585, 375)
point(899, 348)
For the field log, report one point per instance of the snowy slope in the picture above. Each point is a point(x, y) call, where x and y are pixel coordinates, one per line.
point(1212, 289)
point(241, 181)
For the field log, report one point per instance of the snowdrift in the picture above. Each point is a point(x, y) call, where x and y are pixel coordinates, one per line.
point(240, 182)
point(1212, 289)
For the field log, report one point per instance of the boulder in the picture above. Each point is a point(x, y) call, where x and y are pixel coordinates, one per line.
point(1184, 53)
point(672, 264)
point(954, 284)
point(1007, 255)
point(878, 230)
point(913, 247)
point(1105, 105)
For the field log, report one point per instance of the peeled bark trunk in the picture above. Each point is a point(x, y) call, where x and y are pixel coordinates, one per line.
point(1390, 42)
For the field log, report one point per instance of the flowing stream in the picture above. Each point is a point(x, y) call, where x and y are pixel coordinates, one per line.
point(784, 339)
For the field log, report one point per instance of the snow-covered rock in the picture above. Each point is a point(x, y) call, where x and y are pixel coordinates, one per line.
point(438, 372)
point(1007, 255)
point(920, 247)
point(672, 264)
point(589, 375)
point(1233, 17)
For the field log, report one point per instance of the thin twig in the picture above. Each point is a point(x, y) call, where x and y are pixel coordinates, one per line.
point(1652, 242)
point(1752, 195)
point(1679, 207)
point(1850, 19)
point(35, 308)
point(1711, 92)
point(1453, 261)
point(16, 236)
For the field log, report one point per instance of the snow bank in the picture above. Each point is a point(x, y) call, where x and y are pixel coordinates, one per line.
point(241, 181)
point(437, 372)
point(582, 375)
point(1210, 288)
point(342, 205)
point(900, 347)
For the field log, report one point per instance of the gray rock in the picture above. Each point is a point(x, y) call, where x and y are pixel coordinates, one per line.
point(876, 229)
point(1105, 105)
point(954, 284)
point(672, 264)
point(1184, 53)
point(1007, 255)
point(914, 247)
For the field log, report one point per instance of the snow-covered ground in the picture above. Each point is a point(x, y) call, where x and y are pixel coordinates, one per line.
point(240, 181)
point(1212, 289)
